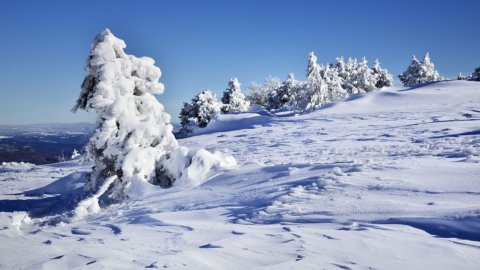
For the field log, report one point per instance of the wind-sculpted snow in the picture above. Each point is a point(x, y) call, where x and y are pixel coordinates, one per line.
point(386, 180)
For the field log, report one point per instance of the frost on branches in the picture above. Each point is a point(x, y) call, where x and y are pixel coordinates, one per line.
point(420, 72)
point(202, 109)
point(133, 144)
point(233, 100)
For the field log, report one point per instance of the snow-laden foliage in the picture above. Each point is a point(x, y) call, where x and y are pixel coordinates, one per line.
point(334, 82)
point(284, 94)
point(202, 109)
point(317, 88)
point(420, 72)
point(233, 99)
point(323, 84)
point(133, 143)
point(259, 93)
point(382, 77)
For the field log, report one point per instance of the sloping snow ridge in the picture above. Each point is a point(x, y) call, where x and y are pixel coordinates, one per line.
point(385, 180)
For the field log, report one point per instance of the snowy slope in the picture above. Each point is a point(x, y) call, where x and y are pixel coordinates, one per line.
point(387, 180)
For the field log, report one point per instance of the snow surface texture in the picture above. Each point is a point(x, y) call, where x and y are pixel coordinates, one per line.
point(385, 180)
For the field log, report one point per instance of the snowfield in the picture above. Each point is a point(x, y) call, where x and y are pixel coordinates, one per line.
point(385, 180)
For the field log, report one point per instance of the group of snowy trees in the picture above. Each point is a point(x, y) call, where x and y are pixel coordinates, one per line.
point(323, 84)
point(475, 76)
point(133, 143)
point(420, 72)
point(204, 106)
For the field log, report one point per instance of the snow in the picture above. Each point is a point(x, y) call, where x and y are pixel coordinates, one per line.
point(384, 180)
point(4, 137)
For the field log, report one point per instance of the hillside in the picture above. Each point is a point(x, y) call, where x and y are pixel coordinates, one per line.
point(386, 180)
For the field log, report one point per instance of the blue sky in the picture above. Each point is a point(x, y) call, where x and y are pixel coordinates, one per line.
point(201, 44)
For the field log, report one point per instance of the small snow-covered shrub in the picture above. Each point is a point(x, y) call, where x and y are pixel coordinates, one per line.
point(420, 72)
point(233, 99)
point(202, 109)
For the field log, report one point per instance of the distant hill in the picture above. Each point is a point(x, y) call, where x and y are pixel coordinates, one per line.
point(42, 143)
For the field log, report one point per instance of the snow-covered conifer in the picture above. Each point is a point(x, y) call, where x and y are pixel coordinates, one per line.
point(259, 93)
point(382, 77)
point(350, 83)
point(233, 99)
point(202, 109)
point(133, 143)
point(317, 88)
point(420, 72)
point(334, 84)
point(341, 68)
point(429, 74)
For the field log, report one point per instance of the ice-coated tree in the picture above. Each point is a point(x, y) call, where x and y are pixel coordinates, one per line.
point(317, 88)
point(350, 83)
point(202, 109)
point(382, 77)
point(420, 72)
point(341, 68)
point(259, 92)
point(428, 72)
point(285, 95)
point(133, 139)
point(233, 99)
point(365, 77)
point(334, 84)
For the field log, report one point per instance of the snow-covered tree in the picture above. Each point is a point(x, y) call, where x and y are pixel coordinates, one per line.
point(420, 72)
point(460, 76)
point(365, 77)
point(285, 93)
point(133, 143)
point(202, 109)
point(259, 92)
point(382, 77)
point(334, 84)
point(341, 68)
point(317, 88)
point(233, 99)
point(350, 83)
point(429, 74)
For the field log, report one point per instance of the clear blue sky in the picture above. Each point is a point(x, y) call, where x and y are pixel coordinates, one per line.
point(201, 44)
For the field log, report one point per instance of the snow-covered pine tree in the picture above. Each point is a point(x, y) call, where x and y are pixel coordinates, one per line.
point(288, 93)
point(365, 77)
point(350, 84)
point(334, 84)
point(233, 99)
point(202, 109)
point(382, 77)
point(259, 93)
point(412, 74)
point(420, 72)
point(460, 76)
point(317, 88)
point(133, 135)
point(341, 68)
point(428, 72)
